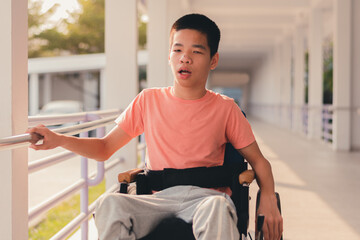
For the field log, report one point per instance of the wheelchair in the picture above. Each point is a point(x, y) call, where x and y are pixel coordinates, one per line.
point(234, 174)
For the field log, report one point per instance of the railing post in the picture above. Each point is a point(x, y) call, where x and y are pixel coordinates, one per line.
point(84, 193)
point(315, 74)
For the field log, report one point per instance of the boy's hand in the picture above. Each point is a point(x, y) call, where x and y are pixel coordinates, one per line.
point(273, 224)
point(49, 139)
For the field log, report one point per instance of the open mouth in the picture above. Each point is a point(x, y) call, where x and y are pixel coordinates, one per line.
point(184, 72)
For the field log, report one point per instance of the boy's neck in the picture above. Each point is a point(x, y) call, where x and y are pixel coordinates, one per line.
point(188, 93)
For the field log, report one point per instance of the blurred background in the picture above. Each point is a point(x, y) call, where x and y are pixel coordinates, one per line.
point(291, 65)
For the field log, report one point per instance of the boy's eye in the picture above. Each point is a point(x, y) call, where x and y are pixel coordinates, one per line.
point(198, 52)
point(177, 50)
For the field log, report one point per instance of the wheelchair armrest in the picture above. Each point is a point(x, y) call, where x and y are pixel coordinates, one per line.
point(246, 177)
point(129, 176)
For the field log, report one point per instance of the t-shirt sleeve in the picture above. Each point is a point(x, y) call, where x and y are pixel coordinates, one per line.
point(238, 129)
point(132, 119)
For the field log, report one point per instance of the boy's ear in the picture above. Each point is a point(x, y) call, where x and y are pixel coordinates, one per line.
point(214, 61)
point(169, 54)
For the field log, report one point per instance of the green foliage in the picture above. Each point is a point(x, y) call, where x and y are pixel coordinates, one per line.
point(142, 34)
point(35, 17)
point(86, 33)
point(37, 37)
point(82, 33)
point(62, 214)
point(306, 76)
point(328, 73)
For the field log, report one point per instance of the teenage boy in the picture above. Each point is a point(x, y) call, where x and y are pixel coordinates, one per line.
point(185, 126)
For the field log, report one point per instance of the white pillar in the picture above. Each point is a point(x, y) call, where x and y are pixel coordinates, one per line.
point(355, 75)
point(90, 86)
point(342, 75)
point(13, 119)
point(285, 97)
point(121, 83)
point(315, 74)
point(34, 94)
point(157, 44)
point(47, 88)
point(299, 70)
point(102, 89)
point(278, 78)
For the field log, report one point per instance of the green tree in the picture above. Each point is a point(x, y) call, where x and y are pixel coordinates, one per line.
point(142, 34)
point(328, 73)
point(82, 33)
point(85, 33)
point(306, 77)
point(37, 36)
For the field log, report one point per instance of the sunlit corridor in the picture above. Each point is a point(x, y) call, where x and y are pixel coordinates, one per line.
point(318, 187)
point(292, 65)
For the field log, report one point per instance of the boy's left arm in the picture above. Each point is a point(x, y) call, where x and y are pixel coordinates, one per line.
point(273, 225)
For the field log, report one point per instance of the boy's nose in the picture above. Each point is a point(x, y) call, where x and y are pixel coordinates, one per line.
point(185, 59)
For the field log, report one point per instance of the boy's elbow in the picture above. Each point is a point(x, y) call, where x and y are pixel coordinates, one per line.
point(105, 152)
point(101, 152)
point(101, 159)
point(102, 156)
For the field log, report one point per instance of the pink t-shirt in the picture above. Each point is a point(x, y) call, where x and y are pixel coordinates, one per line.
point(185, 133)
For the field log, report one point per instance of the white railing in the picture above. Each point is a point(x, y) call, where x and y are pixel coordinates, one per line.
point(305, 118)
point(327, 120)
point(89, 121)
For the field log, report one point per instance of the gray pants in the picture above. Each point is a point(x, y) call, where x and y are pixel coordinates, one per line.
point(123, 216)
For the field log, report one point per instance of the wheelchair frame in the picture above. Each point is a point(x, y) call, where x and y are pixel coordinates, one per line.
point(240, 198)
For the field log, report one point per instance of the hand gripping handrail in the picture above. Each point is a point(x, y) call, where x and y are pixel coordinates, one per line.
point(23, 139)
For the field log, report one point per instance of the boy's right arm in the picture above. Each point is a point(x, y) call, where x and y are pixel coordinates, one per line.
point(99, 149)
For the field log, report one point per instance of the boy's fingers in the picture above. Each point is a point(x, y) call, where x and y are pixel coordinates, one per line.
point(35, 137)
point(39, 130)
point(37, 147)
point(266, 232)
point(276, 232)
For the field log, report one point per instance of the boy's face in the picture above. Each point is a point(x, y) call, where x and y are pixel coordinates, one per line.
point(189, 58)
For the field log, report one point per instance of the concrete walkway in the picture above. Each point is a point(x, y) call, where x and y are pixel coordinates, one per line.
point(319, 188)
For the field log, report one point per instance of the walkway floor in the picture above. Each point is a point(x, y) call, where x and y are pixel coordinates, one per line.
point(319, 188)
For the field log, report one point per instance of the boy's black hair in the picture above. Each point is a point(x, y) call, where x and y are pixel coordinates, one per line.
point(202, 24)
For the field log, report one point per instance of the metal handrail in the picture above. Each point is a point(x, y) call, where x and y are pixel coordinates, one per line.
point(66, 118)
point(82, 217)
point(23, 139)
point(90, 121)
point(52, 201)
point(42, 163)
